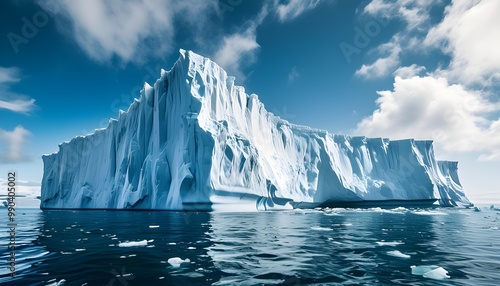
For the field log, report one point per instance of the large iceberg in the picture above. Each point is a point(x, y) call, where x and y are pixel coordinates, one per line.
point(197, 141)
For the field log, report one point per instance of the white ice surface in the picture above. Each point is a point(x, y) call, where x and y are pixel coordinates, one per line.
point(176, 261)
point(194, 139)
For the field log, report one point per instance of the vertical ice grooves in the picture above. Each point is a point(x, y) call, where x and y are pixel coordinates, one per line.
point(196, 138)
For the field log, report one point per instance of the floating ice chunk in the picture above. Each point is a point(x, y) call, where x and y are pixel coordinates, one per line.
point(330, 213)
point(397, 253)
point(429, 213)
point(430, 271)
point(191, 248)
point(389, 243)
point(133, 243)
point(476, 209)
point(321, 228)
point(61, 282)
point(493, 208)
point(176, 261)
point(154, 226)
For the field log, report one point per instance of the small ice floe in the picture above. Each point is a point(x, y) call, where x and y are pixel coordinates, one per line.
point(171, 243)
point(133, 243)
point(476, 209)
point(154, 226)
point(493, 208)
point(397, 253)
point(429, 213)
point(191, 248)
point(389, 243)
point(176, 261)
point(430, 271)
point(54, 283)
point(321, 228)
point(80, 249)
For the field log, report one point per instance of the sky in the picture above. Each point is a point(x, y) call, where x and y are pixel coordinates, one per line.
point(399, 69)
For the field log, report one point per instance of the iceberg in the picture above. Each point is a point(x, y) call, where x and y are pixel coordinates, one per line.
point(195, 140)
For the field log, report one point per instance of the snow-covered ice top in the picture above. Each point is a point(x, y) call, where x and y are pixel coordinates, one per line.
point(197, 140)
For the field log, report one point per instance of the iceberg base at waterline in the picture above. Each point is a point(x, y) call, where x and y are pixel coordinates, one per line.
point(195, 140)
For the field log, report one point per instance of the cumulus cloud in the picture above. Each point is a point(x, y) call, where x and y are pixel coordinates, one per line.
point(469, 33)
point(431, 108)
point(294, 8)
point(128, 30)
point(11, 100)
point(13, 145)
point(453, 104)
point(409, 71)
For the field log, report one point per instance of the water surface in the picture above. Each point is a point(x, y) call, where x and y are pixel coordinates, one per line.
point(311, 247)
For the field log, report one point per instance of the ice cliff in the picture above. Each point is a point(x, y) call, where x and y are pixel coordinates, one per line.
point(196, 140)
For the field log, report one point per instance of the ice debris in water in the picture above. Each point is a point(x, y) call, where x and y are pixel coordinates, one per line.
point(133, 243)
point(176, 261)
point(493, 208)
point(61, 282)
point(397, 253)
point(389, 243)
point(321, 228)
point(430, 271)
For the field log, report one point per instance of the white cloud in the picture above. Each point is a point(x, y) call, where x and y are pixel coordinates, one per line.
point(470, 33)
point(382, 66)
point(415, 15)
point(13, 145)
point(10, 100)
point(294, 8)
point(293, 75)
point(409, 71)
point(128, 30)
point(9, 75)
point(18, 105)
point(430, 108)
point(236, 51)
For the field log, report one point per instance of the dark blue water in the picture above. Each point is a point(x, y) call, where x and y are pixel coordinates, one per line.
point(318, 247)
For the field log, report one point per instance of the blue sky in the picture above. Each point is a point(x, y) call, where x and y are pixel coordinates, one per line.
point(398, 69)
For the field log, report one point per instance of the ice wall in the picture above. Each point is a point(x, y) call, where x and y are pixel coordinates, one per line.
point(196, 140)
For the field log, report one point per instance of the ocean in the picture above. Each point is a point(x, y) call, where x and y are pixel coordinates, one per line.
point(441, 246)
